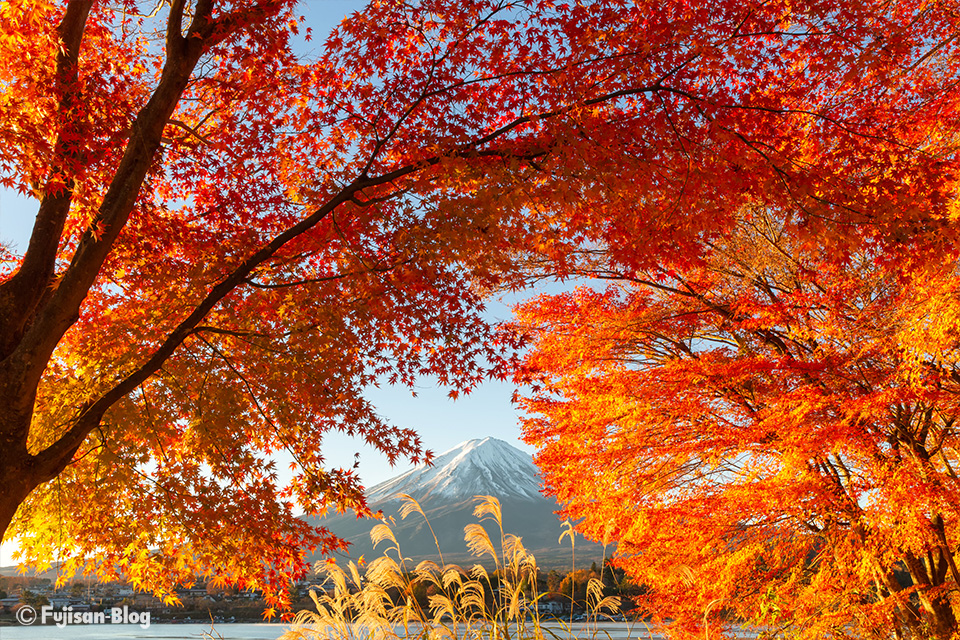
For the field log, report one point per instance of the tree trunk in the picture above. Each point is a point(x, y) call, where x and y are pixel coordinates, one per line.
point(16, 483)
point(937, 612)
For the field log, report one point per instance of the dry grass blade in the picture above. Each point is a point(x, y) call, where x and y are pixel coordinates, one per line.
point(441, 606)
point(411, 615)
point(478, 541)
point(610, 604)
point(335, 576)
point(374, 600)
point(437, 601)
point(385, 572)
point(382, 532)
point(442, 632)
point(479, 572)
point(428, 573)
point(453, 577)
point(488, 507)
point(302, 625)
point(355, 574)
point(472, 596)
point(514, 550)
point(516, 599)
point(410, 505)
point(594, 590)
point(427, 567)
point(530, 563)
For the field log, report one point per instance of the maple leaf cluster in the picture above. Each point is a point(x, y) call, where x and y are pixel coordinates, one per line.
point(234, 238)
point(770, 436)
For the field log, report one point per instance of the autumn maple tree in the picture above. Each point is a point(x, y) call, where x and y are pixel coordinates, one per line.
point(770, 436)
point(236, 233)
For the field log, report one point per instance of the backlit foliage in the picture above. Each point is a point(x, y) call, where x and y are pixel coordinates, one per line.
point(770, 436)
point(238, 229)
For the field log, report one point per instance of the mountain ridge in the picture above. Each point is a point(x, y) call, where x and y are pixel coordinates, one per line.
point(449, 475)
point(447, 492)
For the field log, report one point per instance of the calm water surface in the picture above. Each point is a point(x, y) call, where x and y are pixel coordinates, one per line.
point(264, 631)
point(159, 630)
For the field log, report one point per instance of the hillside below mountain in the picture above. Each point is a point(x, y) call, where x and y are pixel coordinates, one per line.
point(447, 493)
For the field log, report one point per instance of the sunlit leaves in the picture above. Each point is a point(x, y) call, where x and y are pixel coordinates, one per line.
point(239, 237)
point(778, 422)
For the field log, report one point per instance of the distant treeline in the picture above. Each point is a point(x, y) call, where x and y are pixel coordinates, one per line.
point(12, 583)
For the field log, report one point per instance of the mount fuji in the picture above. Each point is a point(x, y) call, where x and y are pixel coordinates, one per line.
point(475, 467)
point(446, 491)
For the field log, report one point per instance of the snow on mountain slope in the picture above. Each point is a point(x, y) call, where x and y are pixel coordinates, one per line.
point(446, 493)
point(475, 467)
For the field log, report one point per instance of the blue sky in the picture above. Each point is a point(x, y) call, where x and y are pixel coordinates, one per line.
point(442, 423)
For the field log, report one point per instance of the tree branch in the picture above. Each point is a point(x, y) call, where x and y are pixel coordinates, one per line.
point(21, 293)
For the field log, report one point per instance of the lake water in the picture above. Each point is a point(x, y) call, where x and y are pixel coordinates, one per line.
point(264, 631)
point(124, 631)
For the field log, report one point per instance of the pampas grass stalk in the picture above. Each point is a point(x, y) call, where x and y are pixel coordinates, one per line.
point(381, 604)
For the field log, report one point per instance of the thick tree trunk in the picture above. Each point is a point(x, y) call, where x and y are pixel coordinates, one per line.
point(940, 618)
point(35, 316)
point(941, 623)
point(18, 477)
point(18, 469)
point(12, 495)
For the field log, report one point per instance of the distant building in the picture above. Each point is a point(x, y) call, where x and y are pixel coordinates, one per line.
point(552, 607)
point(7, 604)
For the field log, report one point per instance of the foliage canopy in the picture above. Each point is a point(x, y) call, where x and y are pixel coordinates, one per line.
point(770, 436)
point(232, 239)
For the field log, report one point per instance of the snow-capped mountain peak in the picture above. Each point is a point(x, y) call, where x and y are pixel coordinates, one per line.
point(475, 467)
